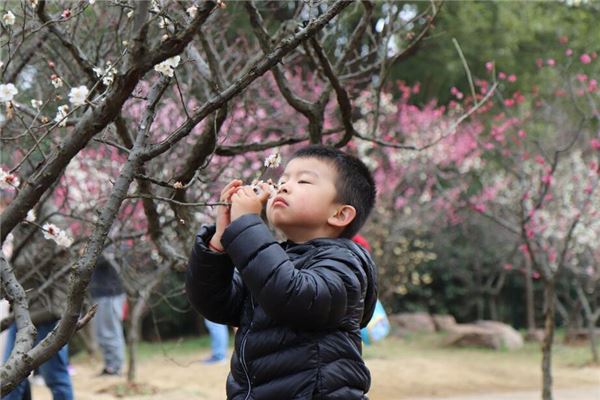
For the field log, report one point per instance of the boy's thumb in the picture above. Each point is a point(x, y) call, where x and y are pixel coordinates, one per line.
point(264, 194)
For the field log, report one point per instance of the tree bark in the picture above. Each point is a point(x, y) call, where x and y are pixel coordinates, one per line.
point(529, 299)
point(549, 314)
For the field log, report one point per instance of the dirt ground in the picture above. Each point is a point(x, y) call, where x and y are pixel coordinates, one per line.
point(409, 377)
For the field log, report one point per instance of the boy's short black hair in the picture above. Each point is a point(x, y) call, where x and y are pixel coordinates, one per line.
point(355, 184)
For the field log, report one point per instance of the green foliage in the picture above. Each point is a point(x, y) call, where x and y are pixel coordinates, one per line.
point(512, 34)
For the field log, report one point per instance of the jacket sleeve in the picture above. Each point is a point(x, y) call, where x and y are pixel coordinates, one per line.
point(315, 297)
point(213, 286)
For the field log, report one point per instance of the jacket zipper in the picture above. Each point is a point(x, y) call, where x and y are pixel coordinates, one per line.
point(243, 355)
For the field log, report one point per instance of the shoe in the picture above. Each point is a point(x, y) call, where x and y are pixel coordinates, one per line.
point(213, 360)
point(109, 372)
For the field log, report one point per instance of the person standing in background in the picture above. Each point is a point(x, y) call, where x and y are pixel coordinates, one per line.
point(219, 337)
point(107, 292)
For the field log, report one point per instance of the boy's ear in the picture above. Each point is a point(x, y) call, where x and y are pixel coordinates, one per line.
point(343, 216)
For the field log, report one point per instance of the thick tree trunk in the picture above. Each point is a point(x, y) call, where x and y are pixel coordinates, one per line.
point(133, 337)
point(494, 308)
point(529, 299)
point(549, 314)
point(592, 329)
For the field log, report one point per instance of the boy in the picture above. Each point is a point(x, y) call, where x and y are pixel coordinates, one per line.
point(300, 304)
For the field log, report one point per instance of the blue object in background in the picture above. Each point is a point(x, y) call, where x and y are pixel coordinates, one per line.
point(378, 327)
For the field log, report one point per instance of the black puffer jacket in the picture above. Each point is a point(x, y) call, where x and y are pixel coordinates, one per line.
point(299, 308)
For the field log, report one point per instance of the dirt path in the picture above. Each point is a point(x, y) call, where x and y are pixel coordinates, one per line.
point(591, 393)
point(410, 379)
point(406, 376)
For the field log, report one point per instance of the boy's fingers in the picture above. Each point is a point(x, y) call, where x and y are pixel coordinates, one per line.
point(230, 185)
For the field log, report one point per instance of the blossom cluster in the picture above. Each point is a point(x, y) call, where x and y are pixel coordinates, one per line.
point(52, 232)
point(168, 66)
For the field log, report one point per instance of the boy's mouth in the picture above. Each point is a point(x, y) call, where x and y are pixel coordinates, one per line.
point(279, 201)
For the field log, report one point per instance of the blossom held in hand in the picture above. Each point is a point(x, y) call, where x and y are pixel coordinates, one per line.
point(7, 92)
point(273, 160)
point(78, 95)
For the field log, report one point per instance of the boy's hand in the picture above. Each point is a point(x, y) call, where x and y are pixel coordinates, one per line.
point(224, 213)
point(246, 201)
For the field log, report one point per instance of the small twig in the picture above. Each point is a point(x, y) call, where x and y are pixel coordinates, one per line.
point(87, 317)
point(466, 66)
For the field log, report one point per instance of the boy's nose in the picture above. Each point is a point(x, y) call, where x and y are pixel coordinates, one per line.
point(282, 188)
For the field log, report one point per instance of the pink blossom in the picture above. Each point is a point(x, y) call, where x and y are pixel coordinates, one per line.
point(507, 267)
point(540, 160)
point(592, 86)
point(524, 249)
point(585, 58)
point(582, 77)
point(512, 78)
point(501, 75)
point(552, 255)
point(568, 52)
point(595, 144)
point(416, 88)
point(521, 133)
point(489, 66)
point(551, 62)
point(539, 62)
point(456, 93)
point(563, 39)
point(509, 102)
point(547, 179)
point(535, 275)
point(479, 207)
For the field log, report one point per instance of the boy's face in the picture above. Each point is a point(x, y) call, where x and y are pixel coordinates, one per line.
point(305, 199)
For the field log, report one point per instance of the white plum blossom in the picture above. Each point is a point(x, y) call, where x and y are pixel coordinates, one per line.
point(192, 11)
point(36, 103)
point(7, 180)
point(168, 66)
point(61, 238)
point(130, 14)
point(273, 160)
point(107, 74)
point(7, 92)
point(8, 18)
point(78, 95)
point(61, 115)
point(30, 216)
point(164, 23)
point(91, 2)
point(57, 82)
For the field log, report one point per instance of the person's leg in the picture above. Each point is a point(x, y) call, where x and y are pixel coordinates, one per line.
point(109, 331)
point(18, 392)
point(55, 370)
point(219, 336)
